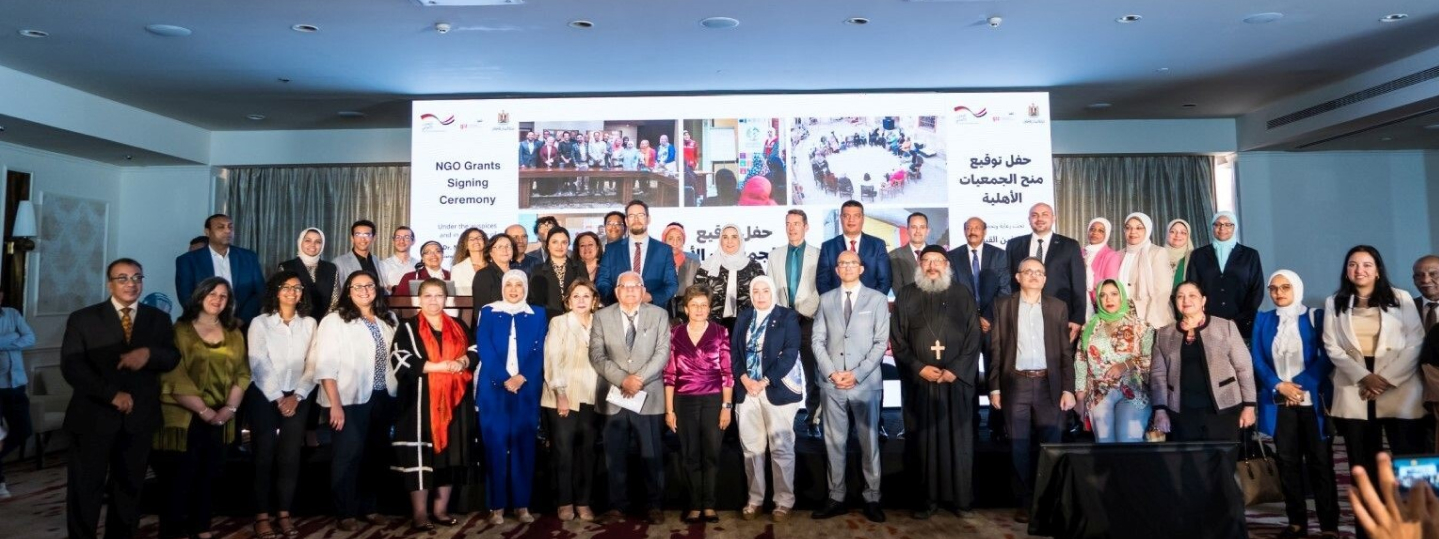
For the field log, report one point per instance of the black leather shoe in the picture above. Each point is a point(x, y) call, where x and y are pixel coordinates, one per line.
point(873, 512)
point(924, 514)
point(1293, 532)
point(831, 509)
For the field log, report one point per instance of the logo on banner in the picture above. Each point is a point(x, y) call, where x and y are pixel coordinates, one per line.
point(433, 123)
point(1034, 115)
point(504, 117)
point(982, 111)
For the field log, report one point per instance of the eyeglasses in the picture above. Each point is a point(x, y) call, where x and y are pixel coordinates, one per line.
point(1223, 225)
point(293, 289)
point(1032, 273)
point(1284, 288)
point(630, 286)
point(639, 215)
point(849, 264)
point(363, 287)
point(404, 237)
point(128, 279)
point(363, 235)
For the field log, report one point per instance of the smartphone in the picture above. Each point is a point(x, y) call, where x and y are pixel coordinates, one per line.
point(1415, 470)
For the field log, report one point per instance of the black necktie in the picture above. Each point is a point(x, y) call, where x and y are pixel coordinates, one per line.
point(848, 307)
point(1431, 315)
point(1040, 252)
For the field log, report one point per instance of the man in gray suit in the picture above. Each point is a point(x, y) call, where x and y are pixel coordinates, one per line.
point(629, 346)
point(851, 333)
point(793, 268)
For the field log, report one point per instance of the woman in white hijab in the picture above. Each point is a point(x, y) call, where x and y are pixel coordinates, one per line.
point(1178, 243)
point(1144, 269)
point(1291, 370)
point(510, 337)
point(1100, 262)
point(728, 274)
point(320, 278)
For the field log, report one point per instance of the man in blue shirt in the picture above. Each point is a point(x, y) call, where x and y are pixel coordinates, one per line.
point(15, 335)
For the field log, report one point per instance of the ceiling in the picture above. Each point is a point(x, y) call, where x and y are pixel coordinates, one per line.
point(374, 56)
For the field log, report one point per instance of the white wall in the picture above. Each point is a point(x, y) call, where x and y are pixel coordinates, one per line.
point(1089, 137)
point(1304, 210)
point(161, 208)
point(73, 177)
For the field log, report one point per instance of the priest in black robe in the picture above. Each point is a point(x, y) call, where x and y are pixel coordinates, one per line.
point(935, 335)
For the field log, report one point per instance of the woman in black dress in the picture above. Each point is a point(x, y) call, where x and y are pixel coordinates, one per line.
point(320, 278)
point(486, 284)
point(434, 366)
point(550, 284)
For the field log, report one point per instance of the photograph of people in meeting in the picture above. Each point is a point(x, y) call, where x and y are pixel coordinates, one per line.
point(868, 159)
point(735, 162)
point(597, 164)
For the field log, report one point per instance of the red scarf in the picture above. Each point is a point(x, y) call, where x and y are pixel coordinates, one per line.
point(446, 389)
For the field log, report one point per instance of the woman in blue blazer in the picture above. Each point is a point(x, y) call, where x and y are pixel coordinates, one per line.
point(769, 382)
point(509, 337)
point(1292, 370)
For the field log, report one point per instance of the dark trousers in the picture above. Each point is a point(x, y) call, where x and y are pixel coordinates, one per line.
point(1205, 425)
point(276, 440)
point(573, 439)
point(361, 454)
point(120, 456)
point(646, 429)
point(1364, 438)
point(1300, 447)
point(1033, 419)
point(187, 479)
point(813, 399)
point(15, 410)
point(697, 423)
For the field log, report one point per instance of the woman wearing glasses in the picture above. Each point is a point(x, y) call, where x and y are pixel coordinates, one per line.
point(352, 365)
point(1229, 274)
point(278, 401)
point(469, 260)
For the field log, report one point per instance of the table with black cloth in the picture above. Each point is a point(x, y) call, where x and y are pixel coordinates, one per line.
point(1143, 490)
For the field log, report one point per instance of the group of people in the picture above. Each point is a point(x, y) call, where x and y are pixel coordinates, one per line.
point(602, 150)
point(873, 184)
point(623, 337)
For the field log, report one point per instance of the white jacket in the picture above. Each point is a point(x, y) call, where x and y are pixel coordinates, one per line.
point(1396, 358)
point(345, 352)
point(1150, 284)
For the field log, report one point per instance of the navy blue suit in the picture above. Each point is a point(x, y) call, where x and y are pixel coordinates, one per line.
point(247, 290)
point(871, 253)
point(994, 278)
point(661, 279)
point(510, 421)
point(1314, 379)
point(781, 351)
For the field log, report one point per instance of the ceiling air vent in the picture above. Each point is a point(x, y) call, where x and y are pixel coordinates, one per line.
point(1367, 93)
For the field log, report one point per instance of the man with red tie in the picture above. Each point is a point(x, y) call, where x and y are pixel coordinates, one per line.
point(642, 254)
point(871, 250)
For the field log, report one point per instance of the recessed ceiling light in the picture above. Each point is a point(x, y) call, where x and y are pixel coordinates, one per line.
point(255, 117)
point(168, 30)
point(1385, 139)
point(2, 129)
point(129, 157)
point(1263, 18)
point(1394, 17)
point(1162, 70)
point(351, 114)
point(581, 23)
point(1128, 19)
point(857, 21)
point(305, 28)
point(1432, 126)
point(30, 32)
point(718, 23)
point(283, 80)
point(1189, 105)
point(1097, 106)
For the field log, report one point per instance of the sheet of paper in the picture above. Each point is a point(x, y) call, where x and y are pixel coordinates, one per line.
point(632, 404)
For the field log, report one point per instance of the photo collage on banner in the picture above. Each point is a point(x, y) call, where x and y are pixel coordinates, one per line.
point(710, 161)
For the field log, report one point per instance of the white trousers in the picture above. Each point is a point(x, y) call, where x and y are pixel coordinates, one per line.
point(767, 427)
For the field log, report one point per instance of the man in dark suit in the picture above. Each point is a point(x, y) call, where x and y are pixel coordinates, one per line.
point(1231, 275)
point(903, 260)
point(1033, 378)
point(238, 265)
point(1426, 281)
point(983, 270)
point(1063, 263)
point(113, 355)
point(638, 252)
point(871, 251)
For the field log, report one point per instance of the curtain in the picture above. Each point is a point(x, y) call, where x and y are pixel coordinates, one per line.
point(1164, 187)
point(271, 205)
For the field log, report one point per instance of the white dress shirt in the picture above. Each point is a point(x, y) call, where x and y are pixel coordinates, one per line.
point(1034, 244)
point(1029, 356)
point(222, 265)
point(644, 242)
point(393, 268)
point(278, 353)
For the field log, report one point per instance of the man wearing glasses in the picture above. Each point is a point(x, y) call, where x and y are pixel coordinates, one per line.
point(113, 354)
point(238, 265)
point(400, 263)
point(362, 237)
point(1230, 275)
point(638, 252)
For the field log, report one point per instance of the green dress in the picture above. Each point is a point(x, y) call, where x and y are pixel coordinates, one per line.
point(206, 370)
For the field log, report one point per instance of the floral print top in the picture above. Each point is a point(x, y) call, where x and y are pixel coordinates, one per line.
point(1129, 339)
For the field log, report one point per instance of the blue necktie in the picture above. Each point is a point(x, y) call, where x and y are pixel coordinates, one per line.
point(974, 272)
point(793, 265)
point(752, 351)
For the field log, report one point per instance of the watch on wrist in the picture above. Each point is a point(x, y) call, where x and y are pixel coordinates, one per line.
point(727, 406)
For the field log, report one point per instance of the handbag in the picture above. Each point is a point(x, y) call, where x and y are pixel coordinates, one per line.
point(1258, 476)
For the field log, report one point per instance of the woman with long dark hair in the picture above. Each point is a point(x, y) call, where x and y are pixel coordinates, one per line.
point(278, 401)
point(199, 399)
point(550, 283)
point(589, 249)
point(469, 259)
point(352, 350)
point(1373, 334)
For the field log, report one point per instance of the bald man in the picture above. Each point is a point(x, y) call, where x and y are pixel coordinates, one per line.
point(1063, 262)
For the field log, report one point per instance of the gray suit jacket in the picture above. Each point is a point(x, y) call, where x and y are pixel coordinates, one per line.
point(1231, 368)
point(858, 346)
point(805, 301)
point(901, 266)
point(614, 361)
point(347, 263)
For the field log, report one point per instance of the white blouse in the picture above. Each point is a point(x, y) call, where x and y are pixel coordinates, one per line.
point(345, 352)
point(278, 355)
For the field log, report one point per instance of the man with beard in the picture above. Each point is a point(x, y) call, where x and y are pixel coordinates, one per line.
point(642, 254)
point(935, 334)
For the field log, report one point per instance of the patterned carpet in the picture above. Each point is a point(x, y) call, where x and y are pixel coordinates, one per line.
point(38, 506)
